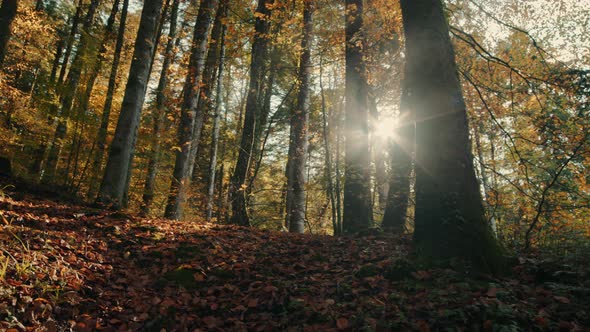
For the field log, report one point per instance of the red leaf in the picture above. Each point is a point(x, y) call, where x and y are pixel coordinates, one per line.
point(342, 323)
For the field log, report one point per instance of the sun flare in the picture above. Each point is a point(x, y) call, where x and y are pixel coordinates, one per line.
point(385, 128)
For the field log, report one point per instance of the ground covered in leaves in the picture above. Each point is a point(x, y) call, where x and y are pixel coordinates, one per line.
point(65, 266)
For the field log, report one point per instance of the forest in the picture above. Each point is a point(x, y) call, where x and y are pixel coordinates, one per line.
point(294, 165)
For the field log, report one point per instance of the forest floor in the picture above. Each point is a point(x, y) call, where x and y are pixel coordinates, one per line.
point(66, 266)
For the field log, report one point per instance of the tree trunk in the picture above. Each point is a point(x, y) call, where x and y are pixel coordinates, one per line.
point(70, 42)
point(327, 151)
point(205, 103)
point(159, 113)
point(101, 137)
point(402, 148)
point(120, 159)
point(450, 219)
point(299, 128)
point(7, 14)
point(257, 70)
point(181, 179)
point(95, 71)
point(217, 116)
point(358, 214)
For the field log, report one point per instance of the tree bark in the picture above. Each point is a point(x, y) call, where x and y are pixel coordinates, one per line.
point(450, 221)
point(7, 14)
point(217, 115)
point(258, 65)
point(101, 137)
point(205, 103)
point(402, 148)
point(328, 152)
point(299, 128)
point(159, 113)
point(181, 176)
point(120, 159)
point(358, 214)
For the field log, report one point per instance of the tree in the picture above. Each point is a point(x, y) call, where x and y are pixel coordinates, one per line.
point(114, 183)
point(159, 112)
point(69, 93)
point(402, 148)
point(181, 177)
point(449, 218)
point(299, 127)
point(223, 7)
point(101, 136)
point(357, 211)
point(258, 64)
point(7, 14)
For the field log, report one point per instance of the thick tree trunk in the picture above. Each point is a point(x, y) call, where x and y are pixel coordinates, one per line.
point(159, 113)
point(358, 214)
point(299, 128)
point(258, 67)
point(217, 116)
point(7, 14)
point(402, 148)
point(450, 218)
point(181, 176)
point(120, 159)
point(67, 98)
point(101, 137)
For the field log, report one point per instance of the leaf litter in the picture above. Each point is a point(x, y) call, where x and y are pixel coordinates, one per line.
point(70, 267)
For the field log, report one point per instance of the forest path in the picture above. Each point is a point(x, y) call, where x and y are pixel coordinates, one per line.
point(68, 266)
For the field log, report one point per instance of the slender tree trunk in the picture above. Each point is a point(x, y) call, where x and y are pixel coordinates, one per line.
point(181, 177)
point(327, 151)
point(120, 159)
point(67, 98)
point(402, 148)
point(358, 214)
point(56, 59)
point(258, 66)
point(217, 116)
point(205, 103)
point(450, 219)
point(299, 128)
point(7, 14)
point(70, 42)
point(95, 71)
point(159, 113)
point(101, 137)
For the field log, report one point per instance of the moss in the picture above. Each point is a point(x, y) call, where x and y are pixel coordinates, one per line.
point(222, 274)
point(368, 270)
point(183, 277)
point(401, 269)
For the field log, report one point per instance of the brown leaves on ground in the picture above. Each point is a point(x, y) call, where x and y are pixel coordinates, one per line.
point(70, 267)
